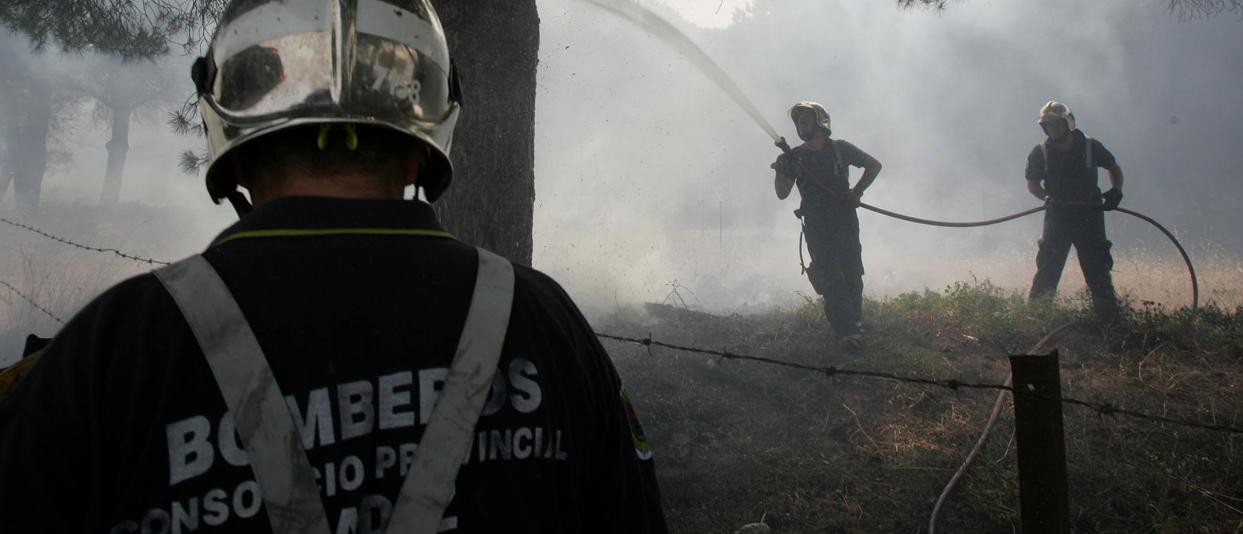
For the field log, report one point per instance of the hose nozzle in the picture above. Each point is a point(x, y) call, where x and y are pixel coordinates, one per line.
point(782, 144)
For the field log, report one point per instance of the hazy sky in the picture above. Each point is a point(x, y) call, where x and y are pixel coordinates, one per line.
point(649, 178)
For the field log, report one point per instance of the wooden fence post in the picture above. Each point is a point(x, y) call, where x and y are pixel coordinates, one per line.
point(1041, 444)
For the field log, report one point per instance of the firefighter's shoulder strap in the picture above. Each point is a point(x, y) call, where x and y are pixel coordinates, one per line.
point(446, 440)
point(838, 164)
point(1087, 153)
point(273, 446)
point(287, 483)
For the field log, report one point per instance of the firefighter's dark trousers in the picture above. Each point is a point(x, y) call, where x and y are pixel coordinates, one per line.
point(1085, 229)
point(836, 269)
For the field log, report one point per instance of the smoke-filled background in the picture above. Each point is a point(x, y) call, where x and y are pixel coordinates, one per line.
point(649, 179)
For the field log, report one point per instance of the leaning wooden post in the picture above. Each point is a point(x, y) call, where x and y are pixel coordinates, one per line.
point(1041, 444)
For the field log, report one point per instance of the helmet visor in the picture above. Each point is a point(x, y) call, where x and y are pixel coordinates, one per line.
point(269, 70)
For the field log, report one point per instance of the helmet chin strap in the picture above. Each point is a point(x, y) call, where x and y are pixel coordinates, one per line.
point(240, 203)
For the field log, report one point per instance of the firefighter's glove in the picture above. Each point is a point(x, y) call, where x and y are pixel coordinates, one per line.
point(854, 197)
point(1113, 197)
point(784, 165)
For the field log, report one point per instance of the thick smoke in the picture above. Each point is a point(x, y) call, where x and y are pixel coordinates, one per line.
point(649, 175)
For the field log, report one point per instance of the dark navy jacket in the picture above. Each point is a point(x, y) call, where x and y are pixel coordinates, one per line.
point(358, 305)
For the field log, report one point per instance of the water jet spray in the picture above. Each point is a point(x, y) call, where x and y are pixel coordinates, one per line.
point(670, 35)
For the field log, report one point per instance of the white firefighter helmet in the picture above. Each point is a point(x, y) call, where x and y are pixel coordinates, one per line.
point(1054, 110)
point(277, 64)
point(822, 115)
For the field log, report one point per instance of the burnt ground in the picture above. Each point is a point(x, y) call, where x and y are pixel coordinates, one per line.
point(736, 441)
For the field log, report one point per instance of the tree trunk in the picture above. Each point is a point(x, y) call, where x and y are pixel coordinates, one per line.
point(8, 111)
point(118, 148)
point(495, 45)
point(7, 168)
point(27, 142)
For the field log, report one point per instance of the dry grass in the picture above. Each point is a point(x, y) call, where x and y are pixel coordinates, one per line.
point(1148, 278)
point(737, 440)
point(62, 278)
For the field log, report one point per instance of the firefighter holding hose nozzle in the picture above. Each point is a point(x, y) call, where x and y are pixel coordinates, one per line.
point(820, 169)
point(1062, 172)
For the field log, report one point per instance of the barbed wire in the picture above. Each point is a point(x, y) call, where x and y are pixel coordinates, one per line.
point(1101, 408)
point(828, 371)
point(132, 257)
point(1108, 408)
point(32, 302)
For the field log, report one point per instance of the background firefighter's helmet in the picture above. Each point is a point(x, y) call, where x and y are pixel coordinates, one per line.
point(275, 64)
point(822, 115)
point(1054, 110)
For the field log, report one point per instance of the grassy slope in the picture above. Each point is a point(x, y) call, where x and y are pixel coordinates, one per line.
point(738, 440)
